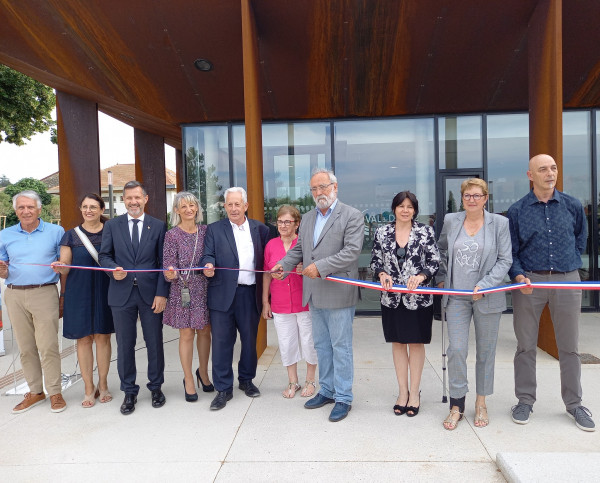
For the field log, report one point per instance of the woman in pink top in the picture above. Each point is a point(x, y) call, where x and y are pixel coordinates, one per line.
point(292, 320)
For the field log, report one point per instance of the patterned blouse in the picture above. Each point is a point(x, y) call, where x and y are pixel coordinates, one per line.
point(422, 256)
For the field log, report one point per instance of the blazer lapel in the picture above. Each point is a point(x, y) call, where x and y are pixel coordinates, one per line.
point(146, 227)
point(335, 214)
point(488, 224)
point(452, 236)
point(124, 222)
point(231, 239)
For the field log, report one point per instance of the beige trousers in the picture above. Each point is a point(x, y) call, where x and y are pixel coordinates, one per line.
point(33, 315)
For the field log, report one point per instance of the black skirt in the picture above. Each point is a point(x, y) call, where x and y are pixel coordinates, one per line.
point(407, 326)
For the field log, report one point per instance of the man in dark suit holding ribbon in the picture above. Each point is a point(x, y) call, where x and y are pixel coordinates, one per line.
point(134, 241)
point(234, 296)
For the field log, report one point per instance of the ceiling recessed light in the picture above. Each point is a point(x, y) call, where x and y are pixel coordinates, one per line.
point(203, 65)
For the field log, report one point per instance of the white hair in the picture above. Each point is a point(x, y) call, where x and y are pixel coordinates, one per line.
point(32, 195)
point(328, 172)
point(237, 189)
point(188, 198)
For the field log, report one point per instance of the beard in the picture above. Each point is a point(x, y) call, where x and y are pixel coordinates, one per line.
point(323, 201)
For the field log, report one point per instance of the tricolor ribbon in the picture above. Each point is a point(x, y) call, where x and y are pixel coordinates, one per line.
point(372, 285)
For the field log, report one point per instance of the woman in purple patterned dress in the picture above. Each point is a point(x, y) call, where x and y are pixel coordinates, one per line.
point(186, 307)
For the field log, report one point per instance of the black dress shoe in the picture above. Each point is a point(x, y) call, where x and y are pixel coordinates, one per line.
point(249, 388)
point(128, 405)
point(158, 399)
point(220, 400)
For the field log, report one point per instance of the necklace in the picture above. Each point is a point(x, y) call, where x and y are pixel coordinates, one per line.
point(472, 228)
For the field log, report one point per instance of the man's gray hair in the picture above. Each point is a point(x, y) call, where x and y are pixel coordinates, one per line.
point(134, 184)
point(188, 198)
point(237, 189)
point(32, 195)
point(332, 178)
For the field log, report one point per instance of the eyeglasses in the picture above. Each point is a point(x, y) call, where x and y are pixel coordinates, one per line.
point(90, 208)
point(284, 222)
point(401, 254)
point(476, 197)
point(321, 187)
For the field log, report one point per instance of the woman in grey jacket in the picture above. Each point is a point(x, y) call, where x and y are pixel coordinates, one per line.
point(476, 253)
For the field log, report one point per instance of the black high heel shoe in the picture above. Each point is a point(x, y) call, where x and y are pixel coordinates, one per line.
point(400, 410)
point(412, 409)
point(205, 387)
point(189, 397)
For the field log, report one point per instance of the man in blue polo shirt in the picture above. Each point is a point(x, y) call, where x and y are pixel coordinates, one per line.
point(548, 230)
point(32, 299)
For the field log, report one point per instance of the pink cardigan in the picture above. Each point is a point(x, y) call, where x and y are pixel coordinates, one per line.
point(286, 295)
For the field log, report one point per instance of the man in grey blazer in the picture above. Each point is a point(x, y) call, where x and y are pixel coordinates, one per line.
point(329, 242)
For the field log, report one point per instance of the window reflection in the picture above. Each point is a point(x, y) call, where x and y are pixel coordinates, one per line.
point(206, 158)
point(507, 159)
point(374, 161)
point(460, 142)
point(577, 166)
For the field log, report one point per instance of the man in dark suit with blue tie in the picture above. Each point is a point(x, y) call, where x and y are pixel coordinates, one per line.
point(234, 296)
point(135, 241)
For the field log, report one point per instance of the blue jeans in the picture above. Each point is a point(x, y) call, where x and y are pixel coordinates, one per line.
point(332, 334)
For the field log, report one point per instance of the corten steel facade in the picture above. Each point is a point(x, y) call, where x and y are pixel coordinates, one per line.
point(401, 93)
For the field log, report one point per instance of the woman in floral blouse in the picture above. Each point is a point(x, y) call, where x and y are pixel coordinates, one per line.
point(405, 253)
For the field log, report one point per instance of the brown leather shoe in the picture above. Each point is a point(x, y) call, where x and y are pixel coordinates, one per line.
point(28, 402)
point(57, 403)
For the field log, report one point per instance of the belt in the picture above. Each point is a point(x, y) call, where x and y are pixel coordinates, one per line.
point(246, 285)
point(135, 282)
point(547, 272)
point(25, 287)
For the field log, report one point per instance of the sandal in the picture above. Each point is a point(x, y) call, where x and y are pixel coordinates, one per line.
point(308, 389)
point(450, 421)
point(290, 391)
point(483, 422)
point(105, 396)
point(89, 401)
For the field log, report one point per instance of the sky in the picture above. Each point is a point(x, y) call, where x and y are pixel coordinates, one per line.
point(38, 158)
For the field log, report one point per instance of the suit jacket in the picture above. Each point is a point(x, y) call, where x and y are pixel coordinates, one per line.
point(422, 256)
point(336, 253)
point(221, 251)
point(496, 258)
point(116, 251)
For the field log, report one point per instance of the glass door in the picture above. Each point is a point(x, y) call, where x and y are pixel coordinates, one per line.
point(451, 186)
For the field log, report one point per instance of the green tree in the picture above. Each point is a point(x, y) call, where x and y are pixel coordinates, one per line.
point(25, 107)
point(49, 211)
point(4, 181)
point(204, 183)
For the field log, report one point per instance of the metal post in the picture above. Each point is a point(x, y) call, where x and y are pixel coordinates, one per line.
point(111, 204)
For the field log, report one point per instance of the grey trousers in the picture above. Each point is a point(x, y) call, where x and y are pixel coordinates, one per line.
point(459, 311)
point(565, 306)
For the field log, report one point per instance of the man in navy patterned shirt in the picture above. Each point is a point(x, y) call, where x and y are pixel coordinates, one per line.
point(548, 231)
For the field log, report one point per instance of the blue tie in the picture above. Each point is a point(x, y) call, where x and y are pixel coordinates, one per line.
point(135, 236)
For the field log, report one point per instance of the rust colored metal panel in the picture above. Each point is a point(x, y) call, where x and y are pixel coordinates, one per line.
point(252, 111)
point(150, 171)
point(179, 170)
point(78, 154)
point(545, 108)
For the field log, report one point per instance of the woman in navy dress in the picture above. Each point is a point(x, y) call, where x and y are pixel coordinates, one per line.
point(87, 317)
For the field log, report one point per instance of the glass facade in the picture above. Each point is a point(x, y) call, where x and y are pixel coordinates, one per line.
point(375, 159)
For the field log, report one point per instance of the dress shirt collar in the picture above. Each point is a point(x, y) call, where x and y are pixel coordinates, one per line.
point(533, 199)
point(329, 210)
point(243, 227)
point(141, 218)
